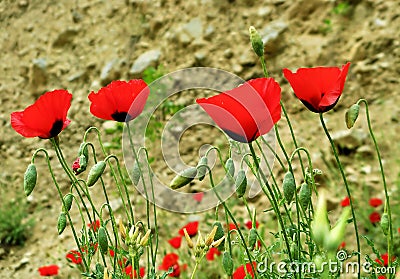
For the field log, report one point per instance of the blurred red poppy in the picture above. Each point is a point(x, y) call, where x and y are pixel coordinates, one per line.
point(319, 88)
point(198, 196)
point(385, 258)
point(232, 226)
point(375, 217)
point(191, 228)
point(249, 224)
point(74, 256)
point(345, 202)
point(121, 101)
point(210, 256)
point(94, 225)
point(48, 270)
point(240, 272)
point(171, 260)
point(132, 273)
point(375, 202)
point(176, 242)
point(247, 111)
point(46, 118)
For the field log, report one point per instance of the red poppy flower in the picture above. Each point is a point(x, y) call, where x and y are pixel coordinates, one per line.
point(48, 270)
point(381, 277)
point(120, 100)
point(345, 202)
point(198, 196)
point(74, 256)
point(240, 272)
point(248, 111)
point(342, 245)
point(111, 252)
point(385, 258)
point(46, 118)
point(95, 225)
point(191, 228)
point(132, 273)
point(212, 253)
point(176, 242)
point(375, 217)
point(319, 88)
point(171, 260)
point(375, 202)
point(231, 226)
point(249, 224)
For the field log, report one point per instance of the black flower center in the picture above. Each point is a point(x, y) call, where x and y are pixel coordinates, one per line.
point(121, 116)
point(56, 128)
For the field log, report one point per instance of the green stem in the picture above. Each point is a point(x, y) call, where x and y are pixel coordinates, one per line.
point(347, 190)
point(195, 269)
point(387, 205)
point(264, 66)
point(274, 202)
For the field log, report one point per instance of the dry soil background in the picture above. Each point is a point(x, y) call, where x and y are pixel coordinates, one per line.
point(81, 45)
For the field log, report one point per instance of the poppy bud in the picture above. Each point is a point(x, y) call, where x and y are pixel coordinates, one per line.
point(289, 186)
point(61, 223)
point(230, 167)
point(218, 242)
point(304, 195)
point(135, 174)
point(103, 240)
point(95, 172)
point(385, 223)
point(256, 42)
point(143, 242)
point(79, 165)
point(227, 263)
point(241, 183)
point(352, 115)
point(183, 178)
point(211, 236)
point(252, 237)
point(68, 198)
point(83, 150)
point(30, 178)
point(201, 169)
point(188, 239)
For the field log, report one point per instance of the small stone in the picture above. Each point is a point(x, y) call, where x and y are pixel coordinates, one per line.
point(38, 75)
point(380, 22)
point(65, 37)
point(247, 59)
point(145, 60)
point(347, 141)
point(366, 169)
point(209, 32)
point(23, 4)
point(272, 35)
point(228, 53)
point(110, 72)
point(194, 28)
point(237, 69)
point(365, 151)
point(200, 57)
point(264, 11)
point(110, 126)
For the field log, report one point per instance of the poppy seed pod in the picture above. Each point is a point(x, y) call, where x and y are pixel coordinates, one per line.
point(256, 42)
point(103, 240)
point(61, 223)
point(68, 198)
point(289, 186)
point(30, 178)
point(385, 223)
point(183, 178)
point(83, 150)
point(252, 237)
point(230, 167)
point(241, 183)
point(219, 234)
point(352, 115)
point(201, 168)
point(227, 263)
point(135, 174)
point(305, 195)
point(95, 172)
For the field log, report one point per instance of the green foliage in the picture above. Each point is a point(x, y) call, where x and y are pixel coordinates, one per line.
point(151, 73)
point(342, 9)
point(14, 221)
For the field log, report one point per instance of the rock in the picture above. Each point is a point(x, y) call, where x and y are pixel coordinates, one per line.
point(65, 37)
point(264, 11)
point(272, 36)
point(110, 126)
point(145, 60)
point(110, 72)
point(366, 169)
point(194, 28)
point(209, 32)
point(347, 141)
point(365, 151)
point(200, 57)
point(247, 59)
point(228, 53)
point(23, 4)
point(237, 69)
point(38, 75)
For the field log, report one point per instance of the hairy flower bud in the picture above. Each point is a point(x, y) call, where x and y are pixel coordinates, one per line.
point(145, 239)
point(256, 42)
point(61, 223)
point(103, 240)
point(241, 183)
point(230, 167)
point(305, 195)
point(385, 223)
point(135, 174)
point(95, 172)
point(201, 167)
point(188, 239)
point(68, 198)
point(183, 178)
point(352, 115)
point(30, 178)
point(252, 237)
point(210, 237)
point(289, 186)
point(227, 263)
